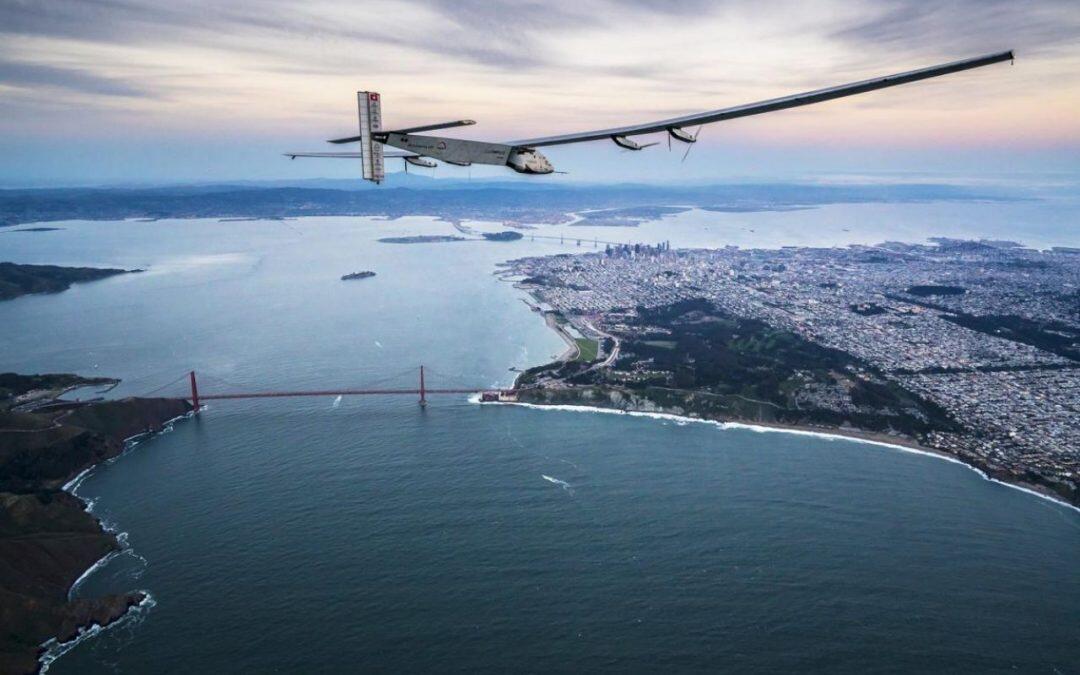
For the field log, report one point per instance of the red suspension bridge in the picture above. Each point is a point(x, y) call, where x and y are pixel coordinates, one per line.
point(421, 392)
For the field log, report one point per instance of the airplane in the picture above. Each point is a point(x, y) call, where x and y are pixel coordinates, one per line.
point(522, 156)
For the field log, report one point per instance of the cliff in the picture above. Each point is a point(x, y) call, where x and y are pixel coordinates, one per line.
point(47, 539)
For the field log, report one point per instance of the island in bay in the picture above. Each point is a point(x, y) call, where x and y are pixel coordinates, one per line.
point(506, 235)
point(422, 239)
point(352, 276)
point(965, 348)
point(48, 540)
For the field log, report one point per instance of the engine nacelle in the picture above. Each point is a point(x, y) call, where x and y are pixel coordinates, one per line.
point(528, 161)
point(681, 135)
point(626, 143)
point(421, 161)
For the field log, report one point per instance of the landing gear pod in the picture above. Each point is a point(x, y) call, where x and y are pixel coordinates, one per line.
point(529, 161)
point(421, 161)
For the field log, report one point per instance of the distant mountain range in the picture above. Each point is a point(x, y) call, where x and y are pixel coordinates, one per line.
point(417, 195)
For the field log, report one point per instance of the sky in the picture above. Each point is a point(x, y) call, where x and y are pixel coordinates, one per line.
point(145, 91)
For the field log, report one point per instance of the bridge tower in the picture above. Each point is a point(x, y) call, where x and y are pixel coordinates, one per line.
point(194, 392)
point(423, 390)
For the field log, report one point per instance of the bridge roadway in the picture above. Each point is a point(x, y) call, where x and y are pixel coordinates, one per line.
point(422, 391)
point(337, 392)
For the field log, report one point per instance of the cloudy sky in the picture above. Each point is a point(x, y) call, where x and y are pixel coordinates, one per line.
point(158, 90)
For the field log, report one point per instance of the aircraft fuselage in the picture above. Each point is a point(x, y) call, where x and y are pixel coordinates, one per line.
point(464, 152)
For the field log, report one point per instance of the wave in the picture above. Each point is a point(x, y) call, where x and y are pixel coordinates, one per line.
point(54, 649)
point(682, 420)
point(75, 482)
point(102, 562)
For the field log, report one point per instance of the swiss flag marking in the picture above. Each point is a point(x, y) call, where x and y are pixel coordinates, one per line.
point(373, 97)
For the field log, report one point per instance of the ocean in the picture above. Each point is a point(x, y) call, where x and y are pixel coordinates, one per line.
point(368, 533)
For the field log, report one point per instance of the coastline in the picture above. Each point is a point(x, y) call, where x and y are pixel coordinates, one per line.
point(572, 349)
point(832, 434)
point(902, 444)
point(53, 648)
point(52, 540)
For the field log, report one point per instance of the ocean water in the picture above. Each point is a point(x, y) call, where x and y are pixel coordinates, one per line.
point(316, 535)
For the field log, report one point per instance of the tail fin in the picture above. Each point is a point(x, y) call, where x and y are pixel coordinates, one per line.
point(371, 122)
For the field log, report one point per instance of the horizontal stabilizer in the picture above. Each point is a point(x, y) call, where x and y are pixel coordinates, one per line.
point(346, 155)
point(432, 127)
point(338, 155)
point(409, 130)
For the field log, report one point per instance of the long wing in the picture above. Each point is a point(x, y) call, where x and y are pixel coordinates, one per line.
point(806, 98)
point(347, 155)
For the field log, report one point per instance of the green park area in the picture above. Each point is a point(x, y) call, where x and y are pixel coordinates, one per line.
point(587, 349)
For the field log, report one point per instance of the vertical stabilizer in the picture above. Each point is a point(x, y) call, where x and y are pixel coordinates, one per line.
point(371, 122)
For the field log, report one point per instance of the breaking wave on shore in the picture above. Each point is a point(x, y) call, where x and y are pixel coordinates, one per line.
point(55, 649)
point(824, 435)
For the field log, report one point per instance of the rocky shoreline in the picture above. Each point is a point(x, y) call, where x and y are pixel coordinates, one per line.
point(48, 540)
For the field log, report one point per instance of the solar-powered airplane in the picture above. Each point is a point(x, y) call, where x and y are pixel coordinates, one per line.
point(523, 157)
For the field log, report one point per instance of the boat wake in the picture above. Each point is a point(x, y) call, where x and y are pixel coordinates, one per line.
point(561, 483)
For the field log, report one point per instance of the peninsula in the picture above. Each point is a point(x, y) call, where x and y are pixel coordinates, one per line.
point(47, 538)
point(16, 279)
point(966, 348)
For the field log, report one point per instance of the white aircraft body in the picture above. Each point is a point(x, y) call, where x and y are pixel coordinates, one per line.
point(522, 156)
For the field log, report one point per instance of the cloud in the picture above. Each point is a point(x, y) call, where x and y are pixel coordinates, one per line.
point(28, 75)
point(966, 25)
point(203, 69)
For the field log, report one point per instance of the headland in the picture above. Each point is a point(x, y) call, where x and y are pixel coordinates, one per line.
point(48, 539)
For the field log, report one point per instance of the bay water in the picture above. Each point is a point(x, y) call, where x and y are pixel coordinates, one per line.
point(368, 533)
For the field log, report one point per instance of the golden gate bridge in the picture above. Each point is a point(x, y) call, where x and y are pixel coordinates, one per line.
point(421, 391)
